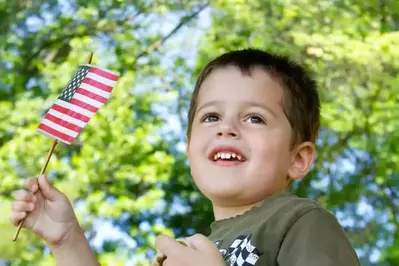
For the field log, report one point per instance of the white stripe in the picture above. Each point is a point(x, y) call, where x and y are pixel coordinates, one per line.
point(53, 136)
point(100, 79)
point(94, 90)
point(59, 128)
point(87, 100)
point(67, 118)
point(103, 69)
point(74, 108)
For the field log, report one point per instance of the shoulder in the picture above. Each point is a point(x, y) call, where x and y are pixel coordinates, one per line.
point(304, 211)
point(314, 235)
point(288, 212)
point(290, 207)
point(280, 212)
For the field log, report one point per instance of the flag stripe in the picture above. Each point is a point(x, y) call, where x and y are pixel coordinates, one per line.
point(91, 95)
point(67, 118)
point(59, 128)
point(101, 79)
point(84, 105)
point(41, 130)
point(75, 108)
point(70, 113)
point(95, 90)
point(104, 73)
point(57, 134)
point(87, 100)
point(97, 84)
point(63, 123)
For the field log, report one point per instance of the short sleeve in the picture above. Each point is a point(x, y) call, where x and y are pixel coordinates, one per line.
point(316, 239)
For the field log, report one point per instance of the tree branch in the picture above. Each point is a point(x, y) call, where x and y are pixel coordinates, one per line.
point(157, 44)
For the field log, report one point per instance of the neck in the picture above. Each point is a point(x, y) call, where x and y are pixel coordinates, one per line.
point(225, 212)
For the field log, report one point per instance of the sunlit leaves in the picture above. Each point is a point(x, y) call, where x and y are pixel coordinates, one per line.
point(124, 169)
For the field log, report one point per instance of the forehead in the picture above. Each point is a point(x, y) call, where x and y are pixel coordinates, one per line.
point(230, 85)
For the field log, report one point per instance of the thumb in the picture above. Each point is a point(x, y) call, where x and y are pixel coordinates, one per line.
point(48, 191)
point(201, 242)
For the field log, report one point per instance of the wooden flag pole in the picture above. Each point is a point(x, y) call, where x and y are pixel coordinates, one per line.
point(53, 145)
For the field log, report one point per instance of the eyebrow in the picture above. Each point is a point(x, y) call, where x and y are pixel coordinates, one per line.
point(246, 103)
point(208, 104)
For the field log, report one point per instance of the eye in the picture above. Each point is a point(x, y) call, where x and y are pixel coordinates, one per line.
point(256, 119)
point(212, 117)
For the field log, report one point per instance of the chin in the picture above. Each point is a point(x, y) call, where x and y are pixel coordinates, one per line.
point(227, 194)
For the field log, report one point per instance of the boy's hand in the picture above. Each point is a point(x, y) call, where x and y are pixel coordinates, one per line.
point(51, 214)
point(203, 251)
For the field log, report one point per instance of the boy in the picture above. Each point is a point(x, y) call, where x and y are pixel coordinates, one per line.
point(253, 121)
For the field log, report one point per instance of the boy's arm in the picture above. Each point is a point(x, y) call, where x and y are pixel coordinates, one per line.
point(317, 238)
point(75, 250)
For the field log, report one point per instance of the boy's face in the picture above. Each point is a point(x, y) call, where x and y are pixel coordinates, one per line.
point(241, 118)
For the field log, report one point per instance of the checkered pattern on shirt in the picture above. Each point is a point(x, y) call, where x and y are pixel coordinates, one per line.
point(242, 252)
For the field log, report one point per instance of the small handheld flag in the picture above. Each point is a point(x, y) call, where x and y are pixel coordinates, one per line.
point(88, 90)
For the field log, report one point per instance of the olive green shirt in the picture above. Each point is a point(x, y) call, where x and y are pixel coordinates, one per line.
point(285, 230)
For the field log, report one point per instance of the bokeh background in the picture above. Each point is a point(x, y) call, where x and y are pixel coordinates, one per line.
point(127, 175)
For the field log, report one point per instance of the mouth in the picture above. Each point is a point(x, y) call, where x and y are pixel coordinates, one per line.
point(226, 156)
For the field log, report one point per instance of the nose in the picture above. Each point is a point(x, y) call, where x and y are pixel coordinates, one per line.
point(227, 130)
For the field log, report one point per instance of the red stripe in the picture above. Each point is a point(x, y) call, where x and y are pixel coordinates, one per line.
point(97, 84)
point(104, 74)
point(63, 123)
point(56, 133)
point(70, 113)
point(92, 95)
point(83, 105)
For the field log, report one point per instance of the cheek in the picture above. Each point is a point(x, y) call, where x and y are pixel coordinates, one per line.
point(200, 137)
point(265, 144)
point(190, 152)
point(195, 149)
point(272, 148)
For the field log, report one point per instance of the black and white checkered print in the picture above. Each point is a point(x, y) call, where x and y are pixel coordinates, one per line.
point(242, 252)
point(74, 84)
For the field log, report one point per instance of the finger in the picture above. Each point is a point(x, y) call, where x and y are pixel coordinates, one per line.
point(184, 242)
point(31, 184)
point(23, 195)
point(169, 246)
point(166, 262)
point(16, 217)
point(22, 206)
point(201, 242)
point(48, 191)
point(159, 259)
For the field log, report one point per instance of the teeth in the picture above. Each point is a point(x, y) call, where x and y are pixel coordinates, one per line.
point(226, 155)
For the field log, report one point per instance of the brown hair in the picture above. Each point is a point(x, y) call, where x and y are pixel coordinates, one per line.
point(300, 103)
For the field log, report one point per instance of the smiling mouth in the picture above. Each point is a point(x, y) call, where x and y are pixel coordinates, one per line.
point(227, 157)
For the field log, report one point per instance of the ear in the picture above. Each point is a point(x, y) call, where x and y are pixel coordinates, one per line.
point(302, 159)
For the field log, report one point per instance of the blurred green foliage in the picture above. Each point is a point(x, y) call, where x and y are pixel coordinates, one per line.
point(127, 169)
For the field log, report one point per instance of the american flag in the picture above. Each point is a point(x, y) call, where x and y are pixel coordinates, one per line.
point(89, 89)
